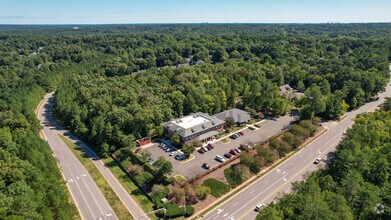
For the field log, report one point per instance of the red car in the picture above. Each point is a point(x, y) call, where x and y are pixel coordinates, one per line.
point(201, 150)
point(211, 146)
point(241, 133)
point(233, 152)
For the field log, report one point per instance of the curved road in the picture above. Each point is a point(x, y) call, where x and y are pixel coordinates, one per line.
point(88, 198)
point(269, 186)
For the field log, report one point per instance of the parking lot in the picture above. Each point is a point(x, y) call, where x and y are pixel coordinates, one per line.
point(193, 167)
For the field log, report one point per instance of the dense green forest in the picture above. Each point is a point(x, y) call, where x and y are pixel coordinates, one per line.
point(103, 100)
point(31, 186)
point(355, 185)
point(111, 105)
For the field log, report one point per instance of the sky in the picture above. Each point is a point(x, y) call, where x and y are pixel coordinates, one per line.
point(192, 11)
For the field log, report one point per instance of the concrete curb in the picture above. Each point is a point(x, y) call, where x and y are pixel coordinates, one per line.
point(225, 198)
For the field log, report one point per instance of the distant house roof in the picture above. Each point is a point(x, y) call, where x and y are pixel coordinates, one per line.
point(192, 124)
point(289, 92)
point(239, 115)
point(286, 89)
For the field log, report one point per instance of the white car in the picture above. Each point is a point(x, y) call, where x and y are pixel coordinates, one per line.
point(219, 158)
point(173, 153)
point(259, 207)
point(318, 160)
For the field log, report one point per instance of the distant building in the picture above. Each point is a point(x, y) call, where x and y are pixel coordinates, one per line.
point(143, 141)
point(289, 92)
point(197, 126)
point(238, 115)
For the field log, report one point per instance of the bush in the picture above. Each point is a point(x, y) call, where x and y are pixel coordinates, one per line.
point(202, 192)
point(233, 178)
point(167, 181)
point(144, 178)
point(189, 211)
point(217, 188)
point(159, 192)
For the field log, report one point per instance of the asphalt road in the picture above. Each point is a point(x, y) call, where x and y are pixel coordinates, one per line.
point(89, 200)
point(127, 200)
point(268, 187)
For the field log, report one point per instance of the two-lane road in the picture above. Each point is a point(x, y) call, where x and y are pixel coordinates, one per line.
point(88, 198)
point(268, 187)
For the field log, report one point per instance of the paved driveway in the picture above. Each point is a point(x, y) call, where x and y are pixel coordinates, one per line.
point(192, 168)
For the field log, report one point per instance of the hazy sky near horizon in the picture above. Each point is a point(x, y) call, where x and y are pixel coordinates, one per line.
point(195, 11)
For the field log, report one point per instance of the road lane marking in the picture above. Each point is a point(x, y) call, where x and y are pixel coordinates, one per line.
point(251, 192)
point(235, 203)
point(269, 172)
point(256, 196)
point(226, 214)
point(332, 139)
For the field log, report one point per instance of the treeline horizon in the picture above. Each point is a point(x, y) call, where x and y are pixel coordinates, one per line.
point(332, 29)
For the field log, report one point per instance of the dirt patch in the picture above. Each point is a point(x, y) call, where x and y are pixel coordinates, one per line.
point(204, 203)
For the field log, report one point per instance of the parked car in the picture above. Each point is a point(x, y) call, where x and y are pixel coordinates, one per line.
point(233, 152)
point(274, 118)
point(173, 153)
point(180, 157)
point(237, 149)
point(244, 147)
point(259, 207)
point(211, 146)
point(234, 136)
point(318, 160)
point(205, 149)
point(208, 147)
point(138, 150)
point(150, 159)
point(201, 150)
point(241, 133)
point(228, 155)
point(206, 166)
point(219, 158)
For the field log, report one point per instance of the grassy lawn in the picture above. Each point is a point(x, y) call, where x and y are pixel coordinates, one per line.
point(225, 141)
point(120, 210)
point(129, 186)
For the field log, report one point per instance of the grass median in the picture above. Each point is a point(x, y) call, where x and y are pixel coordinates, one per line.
point(129, 186)
point(120, 210)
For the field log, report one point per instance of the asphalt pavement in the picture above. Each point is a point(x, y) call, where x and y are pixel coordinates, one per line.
point(87, 197)
point(192, 168)
point(279, 180)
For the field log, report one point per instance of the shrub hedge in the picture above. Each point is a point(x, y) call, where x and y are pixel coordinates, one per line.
point(217, 188)
point(233, 178)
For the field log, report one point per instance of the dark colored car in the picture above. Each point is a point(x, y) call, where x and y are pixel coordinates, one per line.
point(233, 136)
point(233, 152)
point(180, 157)
point(228, 155)
point(241, 133)
point(201, 150)
point(206, 166)
point(208, 147)
point(211, 146)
